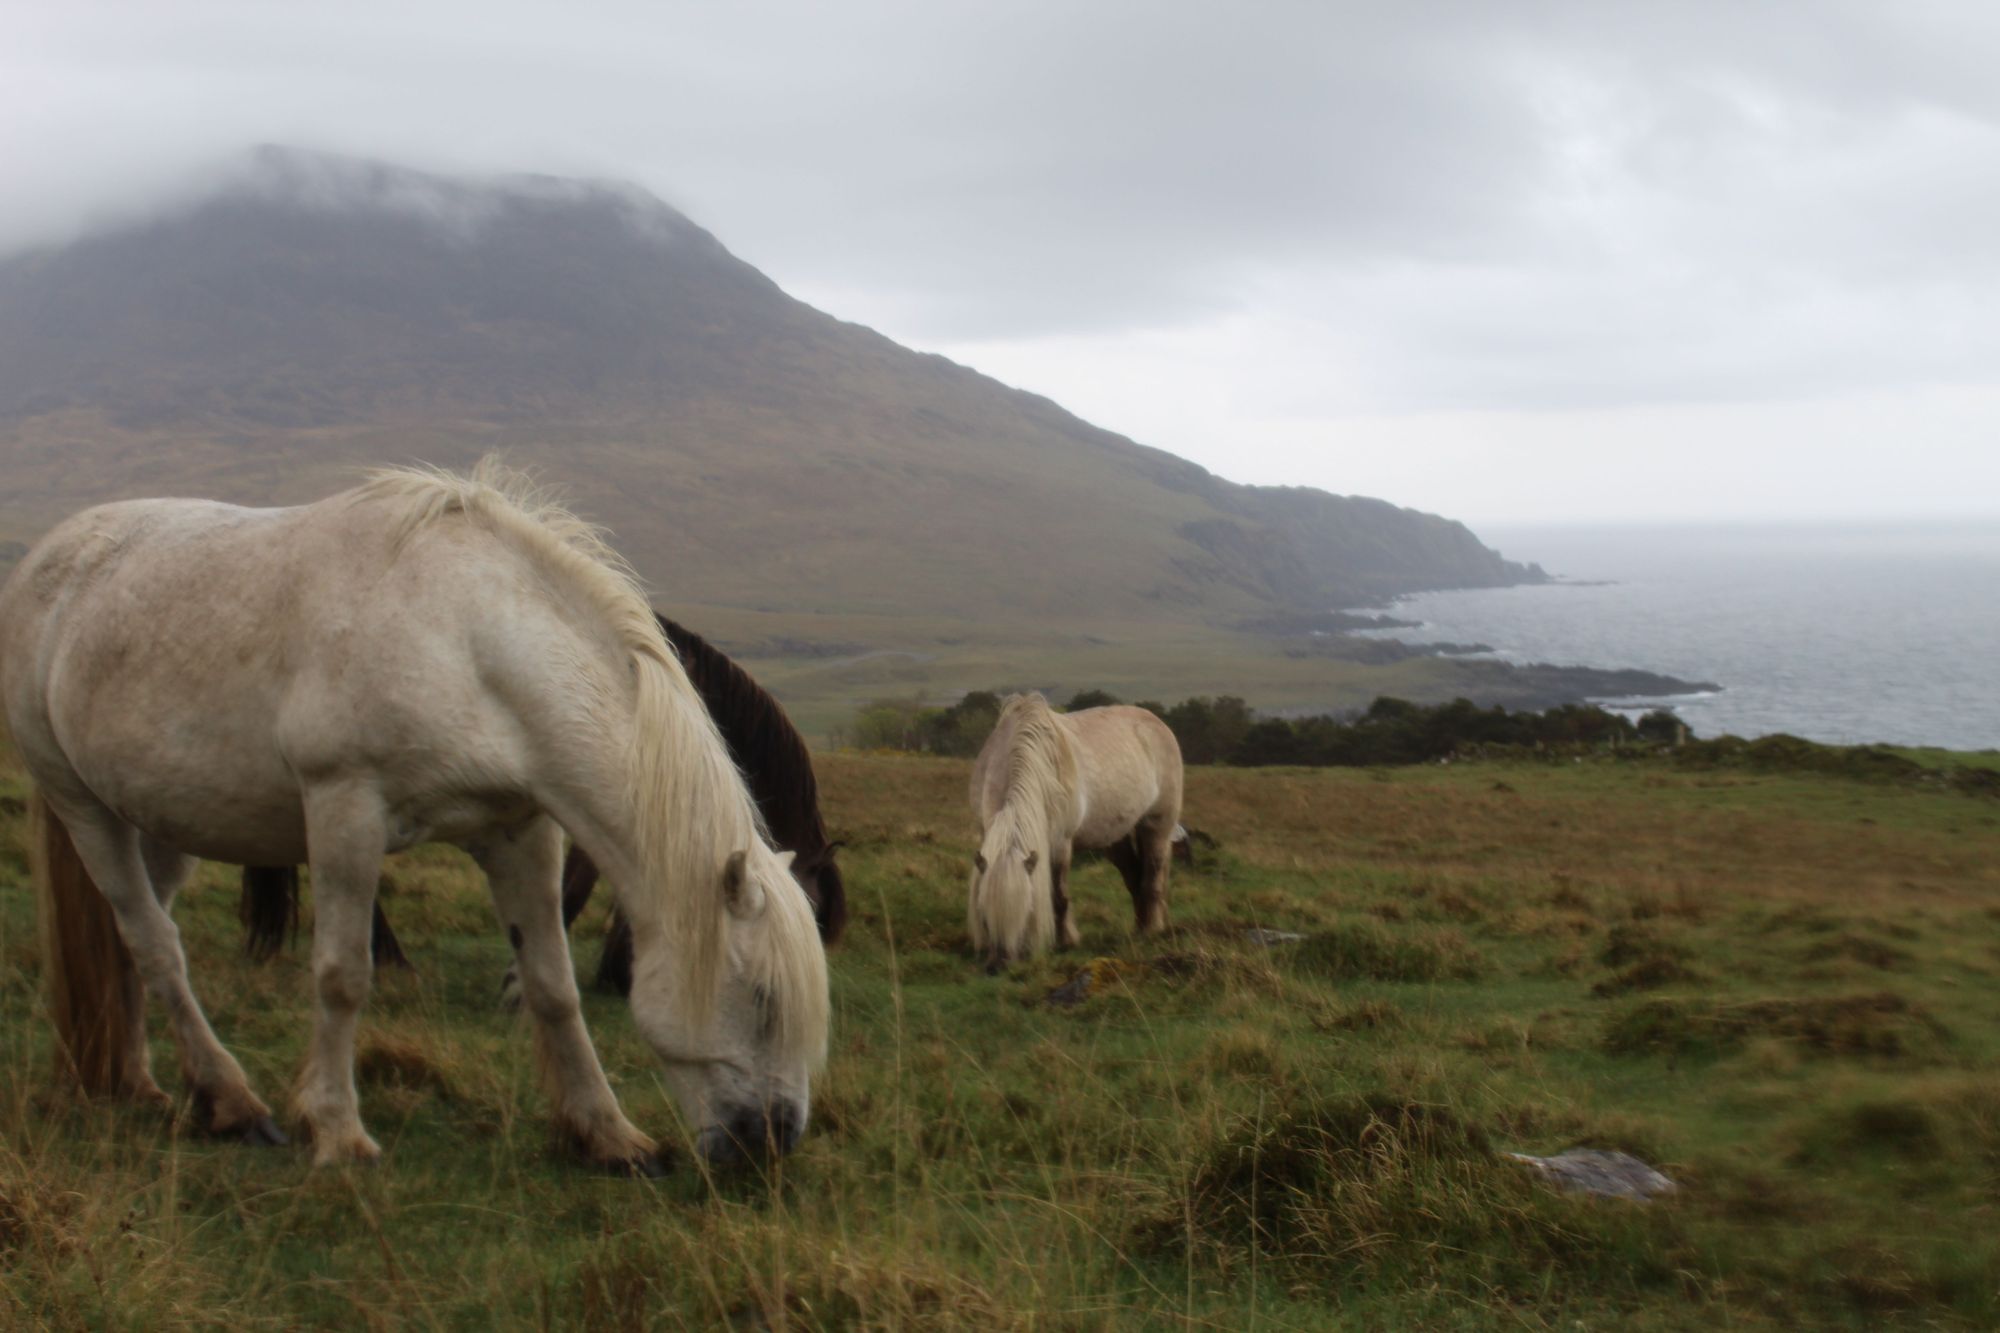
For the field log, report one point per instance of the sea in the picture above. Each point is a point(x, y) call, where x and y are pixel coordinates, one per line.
point(1845, 634)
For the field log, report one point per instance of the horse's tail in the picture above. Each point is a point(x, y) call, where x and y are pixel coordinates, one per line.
point(269, 908)
point(93, 987)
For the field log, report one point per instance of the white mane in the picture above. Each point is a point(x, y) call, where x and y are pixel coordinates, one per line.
point(1006, 908)
point(688, 804)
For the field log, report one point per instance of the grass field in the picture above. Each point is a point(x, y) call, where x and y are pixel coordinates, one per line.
point(1782, 990)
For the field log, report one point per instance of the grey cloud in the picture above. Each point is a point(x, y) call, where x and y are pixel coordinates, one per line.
point(1562, 203)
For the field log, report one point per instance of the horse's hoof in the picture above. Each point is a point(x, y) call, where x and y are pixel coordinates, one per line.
point(263, 1132)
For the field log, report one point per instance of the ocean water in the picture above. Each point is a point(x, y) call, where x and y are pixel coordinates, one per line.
point(1840, 634)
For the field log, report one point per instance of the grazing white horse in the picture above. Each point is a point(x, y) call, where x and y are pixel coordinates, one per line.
point(1048, 782)
point(426, 658)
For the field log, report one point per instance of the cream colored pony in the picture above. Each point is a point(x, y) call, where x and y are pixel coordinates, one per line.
point(1048, 782)
point(427, 658)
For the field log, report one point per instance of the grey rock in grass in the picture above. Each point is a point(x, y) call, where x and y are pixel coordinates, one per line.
point(1271, 939)
point(1611, 1175)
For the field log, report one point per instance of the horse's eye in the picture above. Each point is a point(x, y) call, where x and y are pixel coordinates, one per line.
point(979, 863)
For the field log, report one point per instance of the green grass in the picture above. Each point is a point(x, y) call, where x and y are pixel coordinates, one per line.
point(1932, 757)
point(1780, 989)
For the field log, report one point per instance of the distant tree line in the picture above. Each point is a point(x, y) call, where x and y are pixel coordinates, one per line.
point(1226, 730)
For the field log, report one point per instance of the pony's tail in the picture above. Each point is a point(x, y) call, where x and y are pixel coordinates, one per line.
point(269, 909)
point(94, 994)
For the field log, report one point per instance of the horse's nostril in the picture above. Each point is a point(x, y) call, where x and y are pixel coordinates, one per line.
point(775, 1129)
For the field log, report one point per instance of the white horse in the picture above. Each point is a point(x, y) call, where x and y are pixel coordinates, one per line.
point(1048, 782)
point(426, 658)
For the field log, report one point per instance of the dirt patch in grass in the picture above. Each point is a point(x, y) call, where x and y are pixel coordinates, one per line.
point(1883, 1024)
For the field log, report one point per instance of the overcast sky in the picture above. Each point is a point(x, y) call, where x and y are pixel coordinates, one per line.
point(1506, 261)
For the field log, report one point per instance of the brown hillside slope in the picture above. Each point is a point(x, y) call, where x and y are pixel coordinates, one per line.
point(791, 475)
point(311, 314)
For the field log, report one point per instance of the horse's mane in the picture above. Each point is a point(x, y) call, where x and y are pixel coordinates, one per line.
point(1040, 772)
point(1040, 765)
point(689, 806)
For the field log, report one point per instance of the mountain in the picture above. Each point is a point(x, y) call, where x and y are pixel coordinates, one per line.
point(303, 315)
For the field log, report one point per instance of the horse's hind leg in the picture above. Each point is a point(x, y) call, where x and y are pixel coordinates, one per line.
point(112, 851)
point(384, 949)
point(1154, 848)
point(345, 831)
point(522, 867)
point(1129, 855)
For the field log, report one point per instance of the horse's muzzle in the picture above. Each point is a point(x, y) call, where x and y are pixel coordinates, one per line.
point(754, 1133)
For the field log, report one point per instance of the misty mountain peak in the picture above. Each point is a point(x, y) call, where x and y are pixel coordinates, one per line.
point(465, 206)
point(306, 313)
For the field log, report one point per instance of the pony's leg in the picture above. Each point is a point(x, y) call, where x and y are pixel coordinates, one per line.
point(1156, 858)
point(384, 949)
point(579, 878)
point(168, 869)
point(114, 854)
point(1066, 936)
point(614, 965)
point(345, 830)
point(1124, 854)
point(522, 867)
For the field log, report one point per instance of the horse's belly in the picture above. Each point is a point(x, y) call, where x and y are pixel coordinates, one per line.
point(1106, 821)
point(220, 809)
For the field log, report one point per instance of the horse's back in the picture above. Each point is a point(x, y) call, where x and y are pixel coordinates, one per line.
point(1129, 769)
point(194, 664)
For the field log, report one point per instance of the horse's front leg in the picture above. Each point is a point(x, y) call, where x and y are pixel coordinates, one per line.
point(1059, 861)
point(579, 878)
point(522, 865)
point(346, 830)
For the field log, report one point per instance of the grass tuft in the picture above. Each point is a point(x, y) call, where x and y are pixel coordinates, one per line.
point(1883, 1024)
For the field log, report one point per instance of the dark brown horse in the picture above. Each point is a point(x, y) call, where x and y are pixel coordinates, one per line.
point(765, 745)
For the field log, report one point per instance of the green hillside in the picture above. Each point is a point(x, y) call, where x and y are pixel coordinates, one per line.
point(1779, 989)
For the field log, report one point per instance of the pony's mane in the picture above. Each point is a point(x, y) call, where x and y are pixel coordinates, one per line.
point(1040, 779)
point(689, 806)
point(1040, 766)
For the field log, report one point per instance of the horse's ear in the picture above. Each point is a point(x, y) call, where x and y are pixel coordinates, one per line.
point(744, 896)
point(1034, 858)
